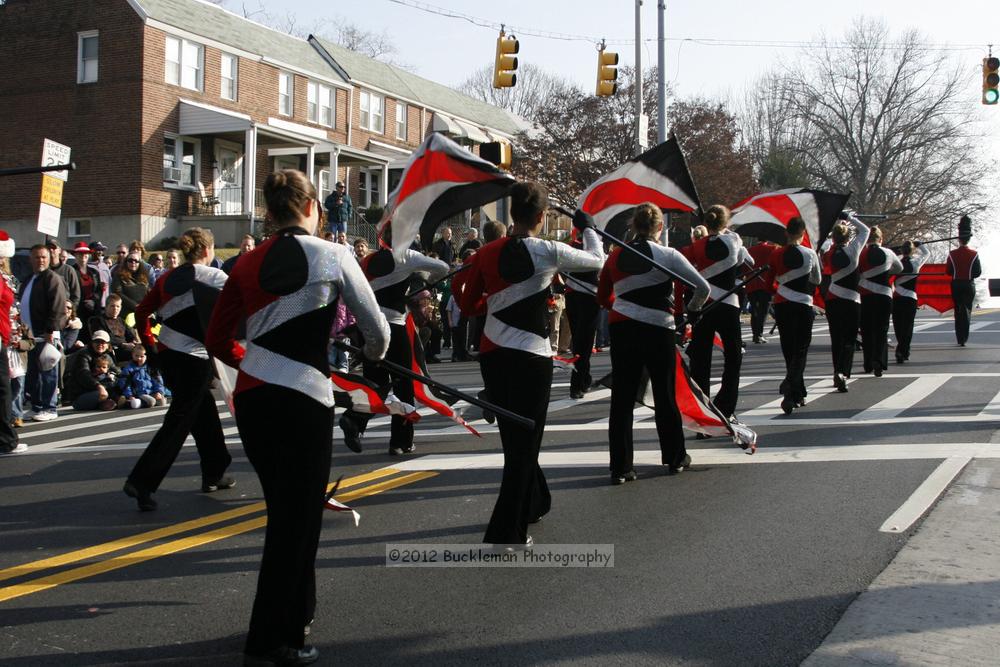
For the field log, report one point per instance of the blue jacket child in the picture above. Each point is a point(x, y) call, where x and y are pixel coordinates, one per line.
point(138, 386)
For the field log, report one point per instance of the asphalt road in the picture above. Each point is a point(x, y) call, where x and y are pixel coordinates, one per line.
point(739, 561)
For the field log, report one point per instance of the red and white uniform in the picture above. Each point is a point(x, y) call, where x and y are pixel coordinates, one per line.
point(905, 286)
point(841, 264)
point(963, 264)
point(182, 300)
point(719, 258)
point(514, 274)
point(390, 279)
point(760, 253)
point(797, 271)
point(877, 264)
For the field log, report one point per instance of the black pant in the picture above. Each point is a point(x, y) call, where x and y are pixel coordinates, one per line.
point(963, 292)
point(459, 340)
point(192, 411)
point(400, 352)
point(725, 320)
point(843, 317)
point(8, 436)
point(520, 382)
point(293, 464)
point(760, 300)
point(581, 309)
point(904, 311)
point(876, 310)
point(795, 322)
point(636, 346)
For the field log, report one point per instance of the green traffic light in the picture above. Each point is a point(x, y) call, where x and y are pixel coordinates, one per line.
point(991, 96)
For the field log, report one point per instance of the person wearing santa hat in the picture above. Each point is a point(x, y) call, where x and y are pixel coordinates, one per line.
point(8, 436)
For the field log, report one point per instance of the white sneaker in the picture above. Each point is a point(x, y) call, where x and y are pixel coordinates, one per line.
point(20, 449)
point(45, 416)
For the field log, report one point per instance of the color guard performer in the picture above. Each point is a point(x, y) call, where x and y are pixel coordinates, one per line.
point(843, 302)
point(904, 297)
point(391, 281)
point(582, 311)
point(510, 280)
point(797, 271)
point(877, 265)
point(182, 300)
point(638, 298)
point(963, 266)
point(718, 257)
point(760, 290)
point(286, 292)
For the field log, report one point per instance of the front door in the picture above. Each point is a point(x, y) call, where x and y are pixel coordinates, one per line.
point(229, 179)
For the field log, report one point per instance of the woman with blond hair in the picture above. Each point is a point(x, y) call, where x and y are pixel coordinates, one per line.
point(642, 337)
point(179, 299)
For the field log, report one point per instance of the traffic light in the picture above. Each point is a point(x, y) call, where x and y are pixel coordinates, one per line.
point(497, 152)
point(506, 62)
point(607, 72)
point(991, 80)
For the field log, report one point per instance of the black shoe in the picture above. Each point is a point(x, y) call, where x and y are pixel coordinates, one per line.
point(801, 403)
point(399, 451)
point(223, 482)
point(840, 382)
point(682, 466)
point(702, 436)
point(352, 434)
point(787, 405)
point(629, 476)
point(900, 359)
point(143, 498)
point(284, 655)
point(878, 372)
point(432, 360)
point(576, 394)
point(488, 415)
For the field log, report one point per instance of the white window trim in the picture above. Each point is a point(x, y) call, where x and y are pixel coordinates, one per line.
point(80, 36)
point(406, 112)
point(291, 93)
point(200, 82)
point(370, 95)
point(75, 221)
point(315, 93)
point(178, 145)
point(235, 77)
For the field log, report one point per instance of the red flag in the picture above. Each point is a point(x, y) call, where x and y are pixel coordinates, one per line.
point(934, 291)
point(766, 215)
point(359, 394)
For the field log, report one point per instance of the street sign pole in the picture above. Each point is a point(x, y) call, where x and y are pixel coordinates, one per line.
point(50, 207)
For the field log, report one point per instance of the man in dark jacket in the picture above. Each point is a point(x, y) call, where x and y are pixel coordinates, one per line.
point(64, 271)
point(339, 208)
point(82, 387)
point(43, 311)
point(247, 244)
point(445, 247)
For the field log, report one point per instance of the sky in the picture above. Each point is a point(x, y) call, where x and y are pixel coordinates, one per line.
point(447, 50)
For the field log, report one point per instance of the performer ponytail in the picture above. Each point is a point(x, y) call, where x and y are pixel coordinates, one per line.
point(841, 233)
point(646, 220)
point(717, 218)
point(194, 243)
point(287, 192)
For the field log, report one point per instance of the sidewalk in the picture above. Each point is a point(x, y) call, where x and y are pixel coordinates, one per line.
point(938, 601)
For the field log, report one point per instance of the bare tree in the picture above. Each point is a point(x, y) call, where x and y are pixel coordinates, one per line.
point(534, 88)
point(888, 120)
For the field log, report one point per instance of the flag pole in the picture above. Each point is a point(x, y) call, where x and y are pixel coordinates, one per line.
point(430, 382)
point(447, 276)
point(749, 279)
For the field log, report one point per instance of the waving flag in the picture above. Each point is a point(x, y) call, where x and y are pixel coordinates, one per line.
point(934, 289)
point(660, 176)
point(440, 180)
point(766, 215)
point(698, 413)
point(357, 393)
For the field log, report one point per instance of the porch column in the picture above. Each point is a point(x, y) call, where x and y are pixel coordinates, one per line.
point(334, 166)
point(250, 174)
point(383, 191)
point(311, 163)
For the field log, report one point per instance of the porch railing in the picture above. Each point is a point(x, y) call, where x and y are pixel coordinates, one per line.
point(228, 201)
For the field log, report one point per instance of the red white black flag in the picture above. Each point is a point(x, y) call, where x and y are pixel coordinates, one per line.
point(440, 180)
point(659, 176)
point(766, 215)
point(357, 393)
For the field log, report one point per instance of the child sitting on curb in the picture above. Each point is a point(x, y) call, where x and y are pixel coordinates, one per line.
point(139, 388)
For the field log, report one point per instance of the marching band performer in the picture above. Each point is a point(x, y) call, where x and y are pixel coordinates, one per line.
point(876, 264)
point(179, 298)
point(718, 257)
point(391, 280)
point(510, 279)
point(963, 266)
point(904, 297)
point(642, 336)
point(760, 290)
point(797, 271)
point(582, 311)
point(843, 302)
point(286, 291)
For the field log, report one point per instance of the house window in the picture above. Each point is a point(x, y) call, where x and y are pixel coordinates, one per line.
point(401, 121)
point(320, 100)
point(370, 181)
point(184, 62)
point(286, 88)
point(79, 228)
point(372, 112)
point(86, 66)
point(181, 161)
point(324, 184)
point(230, 72)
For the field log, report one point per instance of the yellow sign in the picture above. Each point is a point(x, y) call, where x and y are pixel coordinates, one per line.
point(52, 190)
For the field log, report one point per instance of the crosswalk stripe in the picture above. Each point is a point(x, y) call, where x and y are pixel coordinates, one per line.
point(991, 409)
point(905, 398)
point(773, 408)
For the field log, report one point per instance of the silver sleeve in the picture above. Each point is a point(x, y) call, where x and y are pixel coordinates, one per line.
point(360, 299)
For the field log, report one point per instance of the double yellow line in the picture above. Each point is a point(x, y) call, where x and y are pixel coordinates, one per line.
point(135, 557)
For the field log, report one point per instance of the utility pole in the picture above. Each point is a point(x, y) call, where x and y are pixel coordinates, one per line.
point(661, 72)
point(640, 125)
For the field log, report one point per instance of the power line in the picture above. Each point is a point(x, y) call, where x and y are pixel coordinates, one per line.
point(703, 41)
